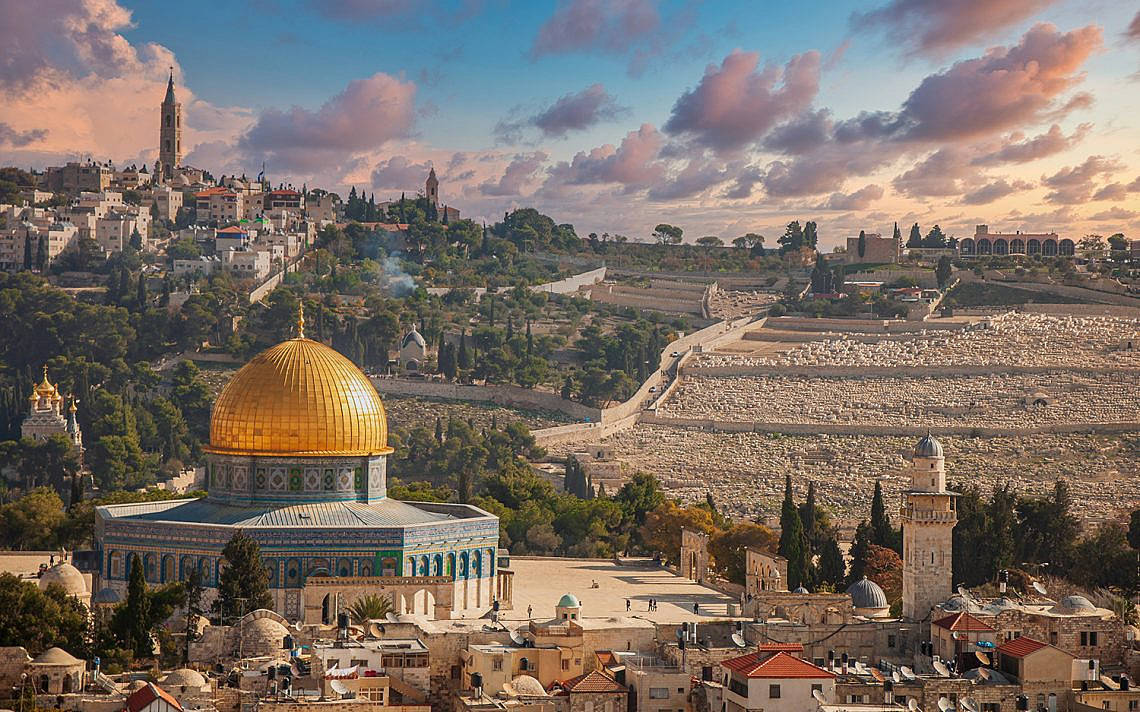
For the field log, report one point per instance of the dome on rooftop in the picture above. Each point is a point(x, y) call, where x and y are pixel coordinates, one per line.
point(569, 600)
point(1077, 603)
point(184, 677)
point(56, 656)
point(66, 576)
point(928, 446)
point(801, 589)
point(413, 336)
point(866, 594)
point(107, 596)
point(525, 685)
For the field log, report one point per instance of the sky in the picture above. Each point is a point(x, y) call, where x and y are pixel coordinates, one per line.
point(721, 117)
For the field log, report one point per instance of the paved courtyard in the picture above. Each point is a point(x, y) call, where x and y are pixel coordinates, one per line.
point(540, 582)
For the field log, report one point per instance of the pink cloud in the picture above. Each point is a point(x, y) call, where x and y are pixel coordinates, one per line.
point(736, 103)
point(633, 163)
point(937, 26)
point(1046, 144)
point(995, 190)
point(859, 200)
point(1075, 184)
point(1133, 31)
point(368, 113)
point(399, 172)
point(1114, 214)
point(517, 175)
point(601, 25)
point(696, 177)
point(571, 112)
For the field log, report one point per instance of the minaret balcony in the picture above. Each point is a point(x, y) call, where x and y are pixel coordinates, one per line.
point(930, 516)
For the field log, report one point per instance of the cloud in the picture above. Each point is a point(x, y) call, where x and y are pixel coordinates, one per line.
point(696, 177)
point(365, 115)
point(19, 139)
point(1004, 88)
point(1074, 184)
point(399, 172)
point(610, 26)
point(1046, 144)
point(742, 185)
point(801, 134)
point(1113, 214)
point(633, 163)
point(938, 175)
point(859, 200)
point(517, 175)
point(736, 103)
point(995, 190)
point(1133, 31)
point(934, 27)
point(571, 112)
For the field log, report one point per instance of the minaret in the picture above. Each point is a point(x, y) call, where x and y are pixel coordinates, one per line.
point(170, 133)
point(928, 521)
point(432, 187)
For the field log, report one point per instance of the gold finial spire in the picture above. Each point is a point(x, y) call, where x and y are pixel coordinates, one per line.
point(300, 320)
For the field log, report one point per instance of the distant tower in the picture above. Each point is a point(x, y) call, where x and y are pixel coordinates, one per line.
point(170, 133)
point(432, 187)
point(928, 521)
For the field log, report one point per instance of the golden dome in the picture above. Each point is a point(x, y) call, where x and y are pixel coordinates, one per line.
point(299, 397)
point(45, 388)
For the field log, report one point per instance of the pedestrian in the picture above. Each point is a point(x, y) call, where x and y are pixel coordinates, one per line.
point(628, 605)
point(696, 608)
point(529, 612)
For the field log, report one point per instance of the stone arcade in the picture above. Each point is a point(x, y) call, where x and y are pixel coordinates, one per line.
point(297, 460)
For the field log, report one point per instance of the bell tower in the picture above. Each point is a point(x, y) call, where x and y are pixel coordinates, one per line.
point(170, 133)
point(432, 189)
point(928, 520)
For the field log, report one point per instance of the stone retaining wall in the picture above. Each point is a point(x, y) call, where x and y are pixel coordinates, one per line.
point(891, 371)
point(512, 396)
point(726, 426)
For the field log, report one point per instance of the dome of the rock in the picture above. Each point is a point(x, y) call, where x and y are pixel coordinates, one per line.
point(299, 397)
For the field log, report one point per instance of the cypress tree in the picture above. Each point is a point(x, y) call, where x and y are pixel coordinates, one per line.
point(464, 359)
point(42, 254)
point(124, 286)
point(792, 545)
point(136, 240)
point(439, 429)
point(194, 610)
point(915, 239)
point(140, 296)
point(243, 585)
point(863, 243)
point(860, 551)
point(882, 534)
point(832, 568)
point(28, 252)
point(807, 516)
point(137, 612)
point(529, 339)
point(897, 234)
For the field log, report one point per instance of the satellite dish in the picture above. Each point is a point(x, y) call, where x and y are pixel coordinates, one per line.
point(819, 697)
point(982, 657)
point(968, 704)
point(516, 638)
point(941, 669)
point(912, 704)
point(983, 673)
point(878, 675)
point(1039, 588)
point(859, 669)
point(738, 639)
point(954, 635)
point(907, 672)
point(944, 704)
point(896, 677)
point(338, 687)
point(392, 618)
point(962, 592)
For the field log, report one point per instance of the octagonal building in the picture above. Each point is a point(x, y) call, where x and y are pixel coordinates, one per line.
point(297, 460)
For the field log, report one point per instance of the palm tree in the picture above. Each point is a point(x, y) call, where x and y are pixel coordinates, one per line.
point(370, 607)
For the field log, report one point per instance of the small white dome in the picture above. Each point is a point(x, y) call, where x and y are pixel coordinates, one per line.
point(525, 685)
point(66, 576)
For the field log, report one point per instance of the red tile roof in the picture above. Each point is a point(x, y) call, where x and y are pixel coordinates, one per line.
point(592, 681)
point(780, 648)
point(233, 229)
point(284, 191)
point(963, 622)
point(1020, 647)
point(779, 666)
point(140, 698)
point(218, 190)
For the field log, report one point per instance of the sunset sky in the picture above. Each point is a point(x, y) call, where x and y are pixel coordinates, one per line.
point(720, 117)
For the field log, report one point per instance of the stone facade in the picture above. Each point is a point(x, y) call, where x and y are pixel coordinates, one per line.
point(694, 555)
point(928, 521)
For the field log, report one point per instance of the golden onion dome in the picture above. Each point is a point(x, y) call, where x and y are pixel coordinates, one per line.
point(45, 387)
point(299, 397)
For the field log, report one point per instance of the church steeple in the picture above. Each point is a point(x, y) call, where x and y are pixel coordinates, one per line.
point(169, 133)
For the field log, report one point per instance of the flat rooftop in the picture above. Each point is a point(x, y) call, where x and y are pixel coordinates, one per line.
point(539, 582)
